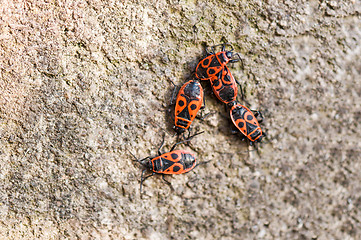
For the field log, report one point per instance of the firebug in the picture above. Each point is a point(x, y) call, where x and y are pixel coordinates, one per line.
point(213, 63)
point(188, 102)
point(172, 162)
point(246, 122)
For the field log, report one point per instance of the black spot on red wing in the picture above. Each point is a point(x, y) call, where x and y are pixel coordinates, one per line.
point(214, 62)
point(193, 106)
point(178, 111)
point(249, 117)
point(206, 62)
point(240, 124)
point(181, 103)
point(174, 155)
point(176, 169)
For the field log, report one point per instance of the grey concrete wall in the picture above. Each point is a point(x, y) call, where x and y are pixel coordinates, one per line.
point(82, 81)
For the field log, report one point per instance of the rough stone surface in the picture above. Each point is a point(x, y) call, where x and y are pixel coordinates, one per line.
point(83, 81)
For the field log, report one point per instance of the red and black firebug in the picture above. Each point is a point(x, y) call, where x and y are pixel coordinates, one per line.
point(188, 102)
point(213, 63)
point(246, 121)
point(172, 162)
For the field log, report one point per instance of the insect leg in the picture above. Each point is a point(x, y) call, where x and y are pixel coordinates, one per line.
point(175, 88)
point(204, 103)
point(170, 185)
point(237, 60)
point(160, 147)
point(201, 117)
point(205, 116)
point(187, 140)
point(264, 138)
point(235, 130)
point(242, 93)
point(143, 178)
point(223, 47)
point(258, 114)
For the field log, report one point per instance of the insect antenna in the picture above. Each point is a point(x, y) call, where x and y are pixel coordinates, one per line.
point(136, 159)
point(173, 93)
point(201, 163)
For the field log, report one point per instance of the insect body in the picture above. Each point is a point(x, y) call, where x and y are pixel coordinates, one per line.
point(224, 86)
point(188, 103)
point(213, 63)
point(172, 162)
point(246, 122)
point(208, 67)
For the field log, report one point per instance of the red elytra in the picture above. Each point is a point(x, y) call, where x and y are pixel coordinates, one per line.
point(172, 162)
point(189, 101)
point(246, 122)
point(224, 86)
point(213, 63)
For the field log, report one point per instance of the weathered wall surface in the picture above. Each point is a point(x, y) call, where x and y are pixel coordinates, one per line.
point(82, 81)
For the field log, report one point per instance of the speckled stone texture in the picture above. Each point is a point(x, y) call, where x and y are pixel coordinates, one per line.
point(83, 81)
